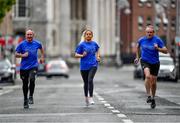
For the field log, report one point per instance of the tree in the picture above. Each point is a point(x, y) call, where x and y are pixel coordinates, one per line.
point(5, 6)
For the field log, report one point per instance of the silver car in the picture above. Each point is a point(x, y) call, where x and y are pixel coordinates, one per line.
point(167, 69)
point(57, 67)
point(7, 71)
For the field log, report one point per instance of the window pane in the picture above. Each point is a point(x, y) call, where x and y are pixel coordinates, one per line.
point(22, 8)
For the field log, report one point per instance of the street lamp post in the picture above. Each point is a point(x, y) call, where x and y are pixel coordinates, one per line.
point(120, 4)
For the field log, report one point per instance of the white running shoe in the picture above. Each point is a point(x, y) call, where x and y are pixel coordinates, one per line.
point(91, 101)
point(87, 101)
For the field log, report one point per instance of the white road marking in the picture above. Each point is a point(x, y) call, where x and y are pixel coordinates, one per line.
point(127, 121)
point(115, 111)
point(5, 92)
point(50, 114)
point(107, 105)
point(110, 107)
point(104, 101)
point(121, 115)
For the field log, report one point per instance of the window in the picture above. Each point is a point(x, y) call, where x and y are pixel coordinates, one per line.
point(54, 38)
point(173, 23)
point(149, 3)
point(140, 23)
point(21, 9)
point(165, 23)
point(149, 20)
point(173, 3)
point(140, 3)
point(157, 22)
point(78, 9)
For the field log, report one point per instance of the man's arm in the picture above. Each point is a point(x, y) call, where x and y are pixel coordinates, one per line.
point(137, 54)
point(163, 49)
point(20, 55)
point(42, 55)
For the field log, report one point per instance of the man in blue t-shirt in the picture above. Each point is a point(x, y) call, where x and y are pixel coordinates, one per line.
point(27, 50)
point(149, 47)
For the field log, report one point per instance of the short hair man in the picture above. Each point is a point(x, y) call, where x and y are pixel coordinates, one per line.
point(27, 51)
point(149, 47)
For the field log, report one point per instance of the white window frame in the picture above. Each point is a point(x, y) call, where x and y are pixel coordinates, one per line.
point(16, 10)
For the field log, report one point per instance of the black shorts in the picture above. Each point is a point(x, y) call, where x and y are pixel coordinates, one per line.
point(154, 68)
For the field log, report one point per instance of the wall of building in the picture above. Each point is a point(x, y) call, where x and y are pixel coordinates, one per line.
point(6, 26)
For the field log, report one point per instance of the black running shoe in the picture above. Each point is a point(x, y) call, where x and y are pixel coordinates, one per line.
point(31, 101)
point(26, 104)
point(149, 99)
point(153, 103)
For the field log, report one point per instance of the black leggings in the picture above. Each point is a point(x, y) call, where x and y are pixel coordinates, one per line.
point(28, 79)
point(88, 76)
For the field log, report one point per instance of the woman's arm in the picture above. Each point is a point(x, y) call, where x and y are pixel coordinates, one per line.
point(98, 55)
point(80, 55)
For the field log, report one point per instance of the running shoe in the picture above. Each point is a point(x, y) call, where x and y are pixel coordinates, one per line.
point(91, 101)
point(149, 99)
point(26, 104)
point(87, 101)
point(153, 103)
point(31, 100)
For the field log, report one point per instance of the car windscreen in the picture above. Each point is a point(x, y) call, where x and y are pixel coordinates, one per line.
point(4, 64)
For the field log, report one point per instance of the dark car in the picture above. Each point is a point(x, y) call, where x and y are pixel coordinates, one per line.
point(7, 71)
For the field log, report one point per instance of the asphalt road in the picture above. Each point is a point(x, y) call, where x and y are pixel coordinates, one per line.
point(118, 98)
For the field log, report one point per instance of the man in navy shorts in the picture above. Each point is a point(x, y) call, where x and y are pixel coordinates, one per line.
point(148, 48)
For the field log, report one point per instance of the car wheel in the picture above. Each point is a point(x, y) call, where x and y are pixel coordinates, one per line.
point(48, 76)
point(66, 76)
point(175, 80)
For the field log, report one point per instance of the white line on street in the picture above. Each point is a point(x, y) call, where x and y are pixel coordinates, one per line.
point(5, 92)
point(127, 121)
point(107, 105)
point(121, 115)
point(50, 114)
point(115, 111)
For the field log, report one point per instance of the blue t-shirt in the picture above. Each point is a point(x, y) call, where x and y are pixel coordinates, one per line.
point(32, 48)
point(148, 52)
point(89, 60)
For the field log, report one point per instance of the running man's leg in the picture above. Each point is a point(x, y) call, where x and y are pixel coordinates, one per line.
point(24, 74)
point(32, 77)
point(154, 72)
point(147, 80)
point(153, 85)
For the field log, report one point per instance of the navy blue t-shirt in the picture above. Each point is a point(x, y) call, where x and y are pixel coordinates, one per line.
point(32, 48)
point(148, 52)
point(89, 60)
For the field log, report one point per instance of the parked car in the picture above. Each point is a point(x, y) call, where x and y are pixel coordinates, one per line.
point(138, 73)
point(7, 71)
point(41, 69)
point(57, 67)
point(167, 69)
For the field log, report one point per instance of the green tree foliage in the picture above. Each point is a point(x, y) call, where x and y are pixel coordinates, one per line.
point(5, 6)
